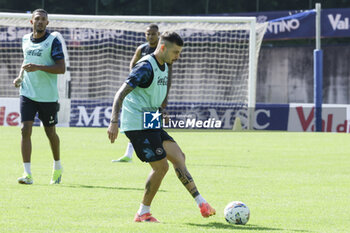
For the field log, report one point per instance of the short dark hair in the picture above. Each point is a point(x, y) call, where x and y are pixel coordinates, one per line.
point(172, 37)
point(40, 10)
point(153, 26)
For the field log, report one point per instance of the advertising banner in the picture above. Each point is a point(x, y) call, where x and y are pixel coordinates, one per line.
point(334, 118)
point(301, 24)
point(271, 116)
point(94, 113)
point(296, 117)
point(88, 113)
point(282, 25)
point(9, 112)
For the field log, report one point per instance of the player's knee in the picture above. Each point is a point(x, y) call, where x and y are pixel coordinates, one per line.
point(163, 169)
point(180, 159)
point(50, 132)
point(26, 131)
point(183, 156)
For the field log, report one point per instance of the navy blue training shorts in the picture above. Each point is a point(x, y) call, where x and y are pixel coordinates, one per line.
point(47, 111)
point(148, 144)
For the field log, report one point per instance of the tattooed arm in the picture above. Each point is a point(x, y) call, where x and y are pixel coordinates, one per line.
point(123, 91)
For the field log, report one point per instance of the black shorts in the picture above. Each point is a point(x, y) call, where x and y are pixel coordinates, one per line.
point(47, 111)
point(148, 144)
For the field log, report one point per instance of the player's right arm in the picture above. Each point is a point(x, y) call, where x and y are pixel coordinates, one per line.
point(135, 58)
point(123, 91)
point(17, 81)
point(142, 76)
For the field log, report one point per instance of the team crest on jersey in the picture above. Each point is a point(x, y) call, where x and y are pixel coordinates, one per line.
point(159, 151)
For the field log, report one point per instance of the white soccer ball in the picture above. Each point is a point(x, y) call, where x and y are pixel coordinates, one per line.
point(237, 212)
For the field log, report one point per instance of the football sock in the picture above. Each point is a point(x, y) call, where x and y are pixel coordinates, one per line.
point(144, 209)
point(129, 150)
point(27, 168)
point(199, 199)
point(57, 164)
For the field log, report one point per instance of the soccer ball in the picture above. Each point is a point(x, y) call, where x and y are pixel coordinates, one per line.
point(237, 212)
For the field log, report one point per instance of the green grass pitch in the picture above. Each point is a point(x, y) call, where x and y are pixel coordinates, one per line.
point(292, 182)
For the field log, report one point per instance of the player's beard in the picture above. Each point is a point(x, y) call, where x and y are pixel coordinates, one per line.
point(172, 61)
point(153, 43)
point(40, 28)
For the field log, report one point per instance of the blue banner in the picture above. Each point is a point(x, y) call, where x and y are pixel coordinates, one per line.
point(194, 115)
point(271, 116)
point(97, 113)
point(282, 25)
point(301, 24)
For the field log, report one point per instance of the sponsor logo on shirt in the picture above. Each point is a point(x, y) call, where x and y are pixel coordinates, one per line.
point(34, 52)
point(162, 81)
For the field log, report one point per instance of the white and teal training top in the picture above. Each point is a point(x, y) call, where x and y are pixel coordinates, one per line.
point(149, 80)
point(41, 86)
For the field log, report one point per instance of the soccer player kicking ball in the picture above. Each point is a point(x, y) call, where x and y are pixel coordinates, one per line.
point(43, 60)
point(145, 90)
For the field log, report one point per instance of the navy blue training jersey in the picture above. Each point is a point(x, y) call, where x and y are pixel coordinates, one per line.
point(146, 49)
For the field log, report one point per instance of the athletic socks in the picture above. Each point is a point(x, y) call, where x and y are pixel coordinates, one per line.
point(144, 209)
point(27, 168)
point(199, 199)
point(57, 165)
point(129, 150)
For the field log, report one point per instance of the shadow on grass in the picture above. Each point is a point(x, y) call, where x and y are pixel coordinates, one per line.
point(103, 187)
point(249, 227)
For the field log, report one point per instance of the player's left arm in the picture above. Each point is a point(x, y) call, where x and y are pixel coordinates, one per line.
point(165, 101)
point(135, 58)
point(58, 68)
point(57, 55)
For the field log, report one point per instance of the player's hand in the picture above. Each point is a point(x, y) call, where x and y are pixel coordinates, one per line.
point(17, 81)
point(164, 104)
point(30, 67)
point(112, 131)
